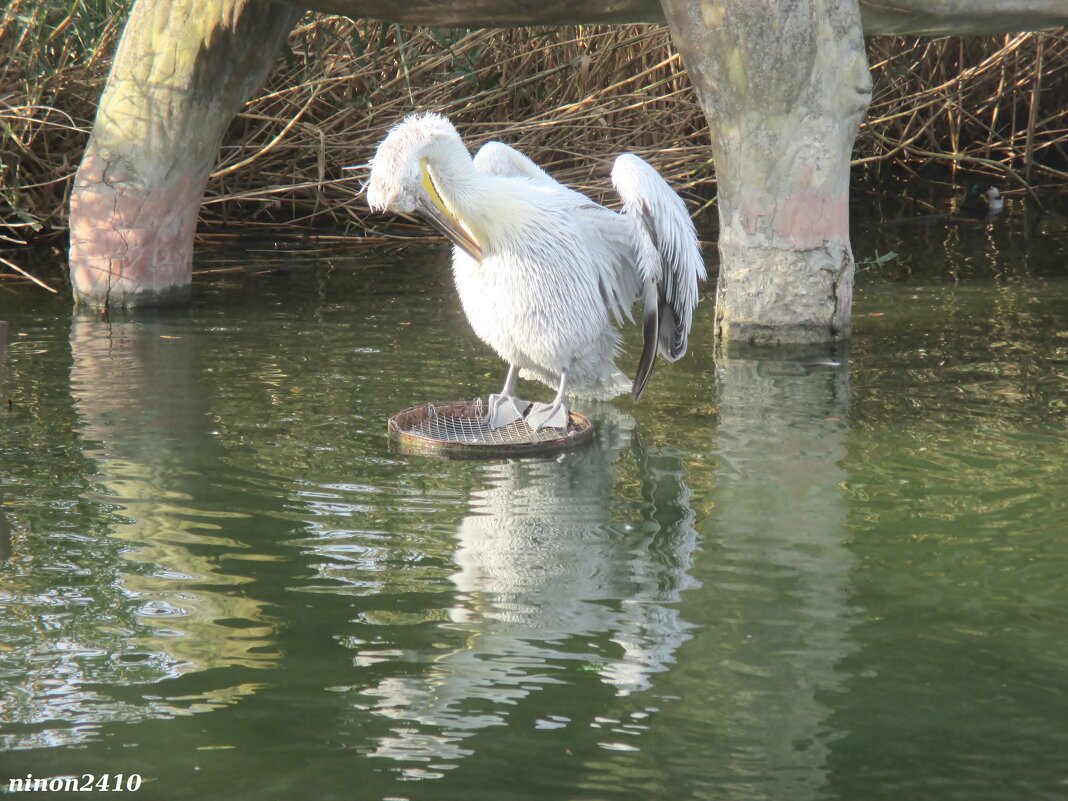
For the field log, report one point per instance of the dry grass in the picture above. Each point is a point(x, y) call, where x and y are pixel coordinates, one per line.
point(993, 105)
point(54, 57)
point(570, 97)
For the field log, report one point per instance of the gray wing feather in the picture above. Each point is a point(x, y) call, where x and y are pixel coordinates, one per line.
point(668, 254)
point(650, 327)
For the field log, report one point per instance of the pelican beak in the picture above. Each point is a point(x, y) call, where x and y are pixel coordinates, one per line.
point(435, 212)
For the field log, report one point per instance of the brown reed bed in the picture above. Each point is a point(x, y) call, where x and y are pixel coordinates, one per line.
point(994, 105)
point(571, 98)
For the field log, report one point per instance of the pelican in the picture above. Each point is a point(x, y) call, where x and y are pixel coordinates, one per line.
point(541, 270)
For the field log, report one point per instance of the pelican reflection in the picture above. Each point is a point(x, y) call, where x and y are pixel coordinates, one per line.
point(557, 569)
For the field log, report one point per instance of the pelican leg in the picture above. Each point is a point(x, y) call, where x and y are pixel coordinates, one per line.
point(551, 415)
point(504, 409)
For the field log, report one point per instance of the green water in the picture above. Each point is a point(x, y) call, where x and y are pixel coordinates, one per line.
point(840, 574)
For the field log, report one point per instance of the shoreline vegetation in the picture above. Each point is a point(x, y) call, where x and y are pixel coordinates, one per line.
point(572, 98)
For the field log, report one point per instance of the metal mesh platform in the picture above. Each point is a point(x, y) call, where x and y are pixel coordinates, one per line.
point(457, 428)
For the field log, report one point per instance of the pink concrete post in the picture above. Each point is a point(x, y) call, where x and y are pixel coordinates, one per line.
point(784, 87)
point(182, 70)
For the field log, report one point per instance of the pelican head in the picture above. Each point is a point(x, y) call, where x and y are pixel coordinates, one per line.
point(421, 156)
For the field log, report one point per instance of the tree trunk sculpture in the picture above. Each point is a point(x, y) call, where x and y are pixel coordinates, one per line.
point(182, 70)
point(784, 90)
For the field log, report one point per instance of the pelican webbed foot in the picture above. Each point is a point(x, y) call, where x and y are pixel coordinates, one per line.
point(548, 415)
point(551, 415)
point(504, 410)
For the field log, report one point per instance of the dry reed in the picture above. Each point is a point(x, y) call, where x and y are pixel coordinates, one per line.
point(570, 97)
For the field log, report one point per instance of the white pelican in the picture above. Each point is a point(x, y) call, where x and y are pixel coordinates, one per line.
point(542, 269)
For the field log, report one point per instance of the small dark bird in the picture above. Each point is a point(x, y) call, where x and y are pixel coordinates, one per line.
point(982, 202)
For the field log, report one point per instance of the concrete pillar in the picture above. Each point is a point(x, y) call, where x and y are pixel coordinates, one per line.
point(182, 70)
point(784, 86)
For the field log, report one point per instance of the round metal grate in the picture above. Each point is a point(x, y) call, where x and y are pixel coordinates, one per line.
point(457, 428)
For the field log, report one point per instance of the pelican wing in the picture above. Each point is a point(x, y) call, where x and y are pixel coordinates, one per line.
point(609, 241)
point(668, 261)
point(496, 158)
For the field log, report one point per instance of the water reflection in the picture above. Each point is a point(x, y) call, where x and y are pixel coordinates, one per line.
point(776, 573)
point(546, 580)
point(133, 385)
point(5, 534)
point(1024, 243)
point(3, 349)
point(5, 527)
point(132, 592)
